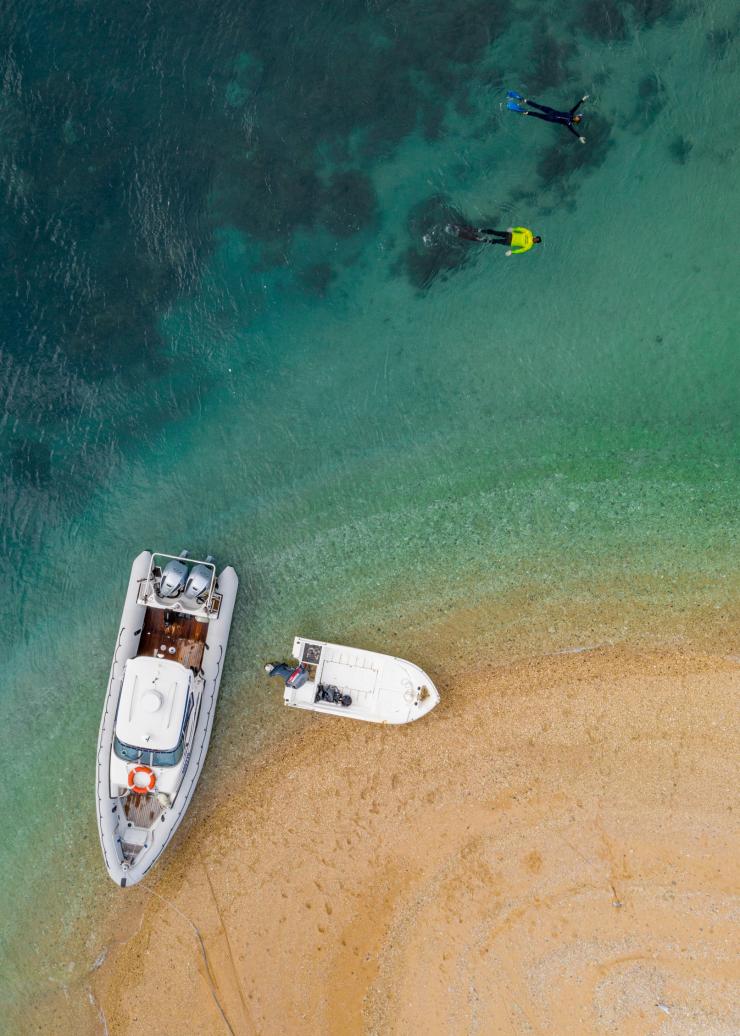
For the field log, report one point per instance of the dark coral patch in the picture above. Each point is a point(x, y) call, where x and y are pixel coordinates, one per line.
point(603, 20)
point(648, 12)
point(560, 161)
point(719, 41)
point(30, 461)
point(550, 66)
point(396, 106)
point(435, 36)
point(432, 117)
point(317, 279)
point(435, 251)
point(350, 203)
point(679, 149)
point(650, 99)
point(273, 194)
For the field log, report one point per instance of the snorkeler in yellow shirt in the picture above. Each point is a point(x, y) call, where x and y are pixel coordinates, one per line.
point(518, 239)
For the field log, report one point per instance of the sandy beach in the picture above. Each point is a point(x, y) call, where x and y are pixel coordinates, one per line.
point(555, 850)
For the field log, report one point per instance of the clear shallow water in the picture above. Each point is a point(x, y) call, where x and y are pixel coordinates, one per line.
point(232, 320)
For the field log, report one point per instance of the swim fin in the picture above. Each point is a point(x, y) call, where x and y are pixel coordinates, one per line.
point(515, 95)
point(514, 107)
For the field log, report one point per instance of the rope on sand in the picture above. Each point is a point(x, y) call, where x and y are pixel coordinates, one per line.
point(204, 954)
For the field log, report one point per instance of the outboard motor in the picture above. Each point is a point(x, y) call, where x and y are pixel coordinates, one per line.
point(198, 581)
point(294, 676)
point(174, 576)
point(298, 677)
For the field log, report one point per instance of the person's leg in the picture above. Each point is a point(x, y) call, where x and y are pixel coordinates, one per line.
point(546, 117)
point(493, 233)
point(541, 107)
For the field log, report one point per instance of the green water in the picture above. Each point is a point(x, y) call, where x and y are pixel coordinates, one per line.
point(372, 453)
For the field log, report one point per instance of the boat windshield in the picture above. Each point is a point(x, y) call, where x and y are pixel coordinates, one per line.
point(146, 757)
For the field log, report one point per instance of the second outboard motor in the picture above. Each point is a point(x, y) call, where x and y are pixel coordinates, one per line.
point(174, 576)
point(199, 580)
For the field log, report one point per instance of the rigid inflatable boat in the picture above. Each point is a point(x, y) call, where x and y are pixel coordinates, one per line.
point(160, 705)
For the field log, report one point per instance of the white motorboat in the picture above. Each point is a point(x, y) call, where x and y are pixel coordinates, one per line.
point(160, 705)
point(347, 681)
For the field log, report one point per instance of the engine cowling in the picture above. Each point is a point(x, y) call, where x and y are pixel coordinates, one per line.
point(174, 577)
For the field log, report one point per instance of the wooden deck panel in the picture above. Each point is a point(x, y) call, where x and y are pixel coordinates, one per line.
point(167, 630)
point(142, 810)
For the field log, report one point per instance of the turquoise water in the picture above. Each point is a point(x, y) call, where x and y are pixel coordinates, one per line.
point(234, 321)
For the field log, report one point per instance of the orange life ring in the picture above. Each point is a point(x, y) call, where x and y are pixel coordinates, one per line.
point(138, 788)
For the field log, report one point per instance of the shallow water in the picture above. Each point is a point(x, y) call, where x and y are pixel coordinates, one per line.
point(233, 320)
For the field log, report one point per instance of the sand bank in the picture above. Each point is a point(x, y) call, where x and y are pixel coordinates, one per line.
point(555, 850)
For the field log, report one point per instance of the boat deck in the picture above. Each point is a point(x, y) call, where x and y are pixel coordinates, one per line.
point(169, 634)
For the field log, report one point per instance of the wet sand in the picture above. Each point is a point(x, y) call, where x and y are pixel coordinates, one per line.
point(554, 850)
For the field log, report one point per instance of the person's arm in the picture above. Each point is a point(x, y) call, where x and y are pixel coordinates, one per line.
point(575, 132)
point(578, 104)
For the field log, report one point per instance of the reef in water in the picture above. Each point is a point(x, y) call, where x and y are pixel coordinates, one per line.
point(602, 20)
point(648, 12)
point(679, 149)
point(558, 162)
point(317, 278)
point(651, 101)
point(719, 41)
point(350, 203)
point(435, 250)
point(550, 60)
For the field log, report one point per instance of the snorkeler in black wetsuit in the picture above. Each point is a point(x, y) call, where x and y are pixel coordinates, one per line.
point(569, 119)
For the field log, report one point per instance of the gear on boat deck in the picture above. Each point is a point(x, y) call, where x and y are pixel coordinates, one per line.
point(170, 634)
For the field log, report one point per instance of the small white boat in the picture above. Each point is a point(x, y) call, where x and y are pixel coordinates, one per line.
point(160, 705)
point(347, 681)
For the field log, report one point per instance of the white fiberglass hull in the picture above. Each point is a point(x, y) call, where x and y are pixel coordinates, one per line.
point(382, 689)
point(113, 827)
